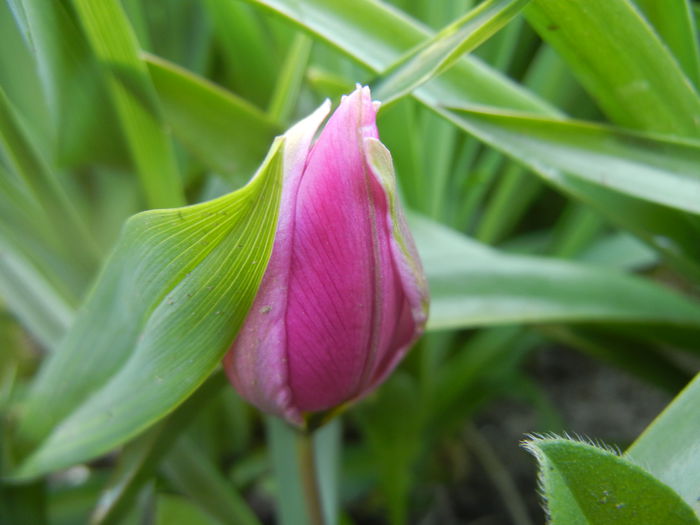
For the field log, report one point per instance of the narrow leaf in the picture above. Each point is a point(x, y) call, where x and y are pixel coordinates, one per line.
point(441, 51)
point(227, 133)
point(656, 169)
point(474, 285)
point(675, 24)
point(629, 71)
point(115, 45)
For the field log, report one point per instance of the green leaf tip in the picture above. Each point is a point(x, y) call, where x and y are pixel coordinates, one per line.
point(583, 483)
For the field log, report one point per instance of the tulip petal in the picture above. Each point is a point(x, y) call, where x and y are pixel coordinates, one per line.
point(406, 259)
point(344, 295)
point(257, 361)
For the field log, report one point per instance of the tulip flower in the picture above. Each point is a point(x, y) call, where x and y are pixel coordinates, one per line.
point(344, 295)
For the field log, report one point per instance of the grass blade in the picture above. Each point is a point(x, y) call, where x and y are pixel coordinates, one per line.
point(441, 51)
point(115, 45)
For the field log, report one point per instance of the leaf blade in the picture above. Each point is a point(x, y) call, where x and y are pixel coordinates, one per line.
point(163, 313)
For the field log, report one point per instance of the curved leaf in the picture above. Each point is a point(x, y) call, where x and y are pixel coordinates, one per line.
point(588, 485)
point(474, 285)
point(653, 168)
point(164, 311)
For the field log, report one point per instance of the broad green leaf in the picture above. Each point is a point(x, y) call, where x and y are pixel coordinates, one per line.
point(163, 312)
point(71, 83)
point(675, 24)
point(587, 485)
point(668, 448)
point(474, 285)
point(229, 135)
point(441, 51)
point(629, 71)
point(113, 41)
point(140, 458)
point(656, 169)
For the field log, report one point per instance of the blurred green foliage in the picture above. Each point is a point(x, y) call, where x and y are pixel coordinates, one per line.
point(553, 179)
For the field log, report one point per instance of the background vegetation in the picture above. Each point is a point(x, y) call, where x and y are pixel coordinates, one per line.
point(549, 153)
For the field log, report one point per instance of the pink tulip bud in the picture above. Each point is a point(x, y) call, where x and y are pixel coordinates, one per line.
point(344, 295)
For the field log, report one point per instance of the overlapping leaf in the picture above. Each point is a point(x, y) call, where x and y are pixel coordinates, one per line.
point(474, 285)
point(163, 312)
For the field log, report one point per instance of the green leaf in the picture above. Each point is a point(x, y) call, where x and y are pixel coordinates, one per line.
point(140, 458)
point(56, 208)
point(113, 41)
point(653, 168)
point(376, 35)
point(667, 230)
point(32, 297)
point(227, 133)
point(247, 53)
point(71, 83)
point(674, 23)
point(474, 285)
point(161, 316)
point(668, 448)
point(192, 472)
point(441, 51)
point(175, 510)
point(394, 439)
point(587, 485)
point(629, 71)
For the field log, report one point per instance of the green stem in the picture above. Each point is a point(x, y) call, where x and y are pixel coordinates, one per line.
point(309, 481)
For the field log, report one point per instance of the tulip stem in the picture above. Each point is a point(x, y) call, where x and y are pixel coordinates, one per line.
point(309, 480)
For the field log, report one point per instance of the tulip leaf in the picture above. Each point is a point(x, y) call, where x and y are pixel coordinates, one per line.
point(377, 36)
point(674, 23)
point(114, 43)
point(226, 132)
point(588, 485)
point(140, 457)
point(164, 311)
point(192, 472)
point(653, 168)
point(71, 83)
point(444, 49)
point(668, 448)
point(668, 230)
point(624, 70)
point(474, 285)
